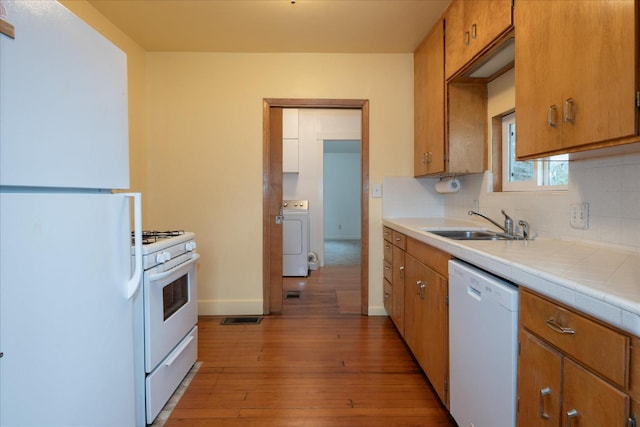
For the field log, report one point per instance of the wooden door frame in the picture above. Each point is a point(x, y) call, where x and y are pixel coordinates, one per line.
point(272, 181)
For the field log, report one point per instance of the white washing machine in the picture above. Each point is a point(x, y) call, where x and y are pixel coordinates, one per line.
point(295, 238)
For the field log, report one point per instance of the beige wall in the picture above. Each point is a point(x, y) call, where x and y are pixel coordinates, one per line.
point(196, 147)
point(205, 152)
point(136, 64)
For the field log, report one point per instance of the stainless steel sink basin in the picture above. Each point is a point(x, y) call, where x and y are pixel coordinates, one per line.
point(470, 235)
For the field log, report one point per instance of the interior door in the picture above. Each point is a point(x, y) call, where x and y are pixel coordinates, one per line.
point(272, 300)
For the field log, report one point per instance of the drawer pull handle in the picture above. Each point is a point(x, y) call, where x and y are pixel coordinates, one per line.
point(552, 114)
point(420, 285)
point(559, 329)
point(541, 403)
point(386, 267)
point(402, 271)
point(572, 414)
point(569, 111)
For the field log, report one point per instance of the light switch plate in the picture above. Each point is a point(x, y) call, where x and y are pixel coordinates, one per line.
point(376, 190)
point(579, 217)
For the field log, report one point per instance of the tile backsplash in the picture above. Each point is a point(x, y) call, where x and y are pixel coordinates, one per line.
point(611, 187)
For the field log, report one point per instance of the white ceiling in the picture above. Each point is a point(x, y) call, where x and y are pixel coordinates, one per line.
point(317, 26)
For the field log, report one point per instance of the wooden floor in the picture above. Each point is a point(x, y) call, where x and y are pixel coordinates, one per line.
point(319, 363)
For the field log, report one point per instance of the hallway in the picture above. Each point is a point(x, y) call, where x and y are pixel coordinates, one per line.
point(320, 363)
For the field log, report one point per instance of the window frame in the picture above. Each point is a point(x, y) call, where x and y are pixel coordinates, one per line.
point(541, 166)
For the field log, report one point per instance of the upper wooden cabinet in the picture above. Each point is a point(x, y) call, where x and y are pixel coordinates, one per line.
point(429, 104)
point(471, 27)
point(576, 75)
point(458, 147)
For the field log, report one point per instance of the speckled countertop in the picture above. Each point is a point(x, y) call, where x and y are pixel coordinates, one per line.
point(598, 280)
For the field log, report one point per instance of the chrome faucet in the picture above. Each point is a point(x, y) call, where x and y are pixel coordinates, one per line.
point(508, 222)
point(526, 230)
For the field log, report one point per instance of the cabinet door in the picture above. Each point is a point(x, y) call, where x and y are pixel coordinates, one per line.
point(486, 20)
point(576, 77)
point(411, 290)
point(455, 42)
point(472, 25)
point(429, 104)
point(600, 50)
point(589, 401)
point(538, 52)
point(539, 381)
point(429, 334)
point(398, 288)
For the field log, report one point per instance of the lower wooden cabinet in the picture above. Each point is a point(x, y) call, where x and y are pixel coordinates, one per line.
point(539, 382)
point(398, 274)
point(427, 323)
point(394, 244)
point(557, 383)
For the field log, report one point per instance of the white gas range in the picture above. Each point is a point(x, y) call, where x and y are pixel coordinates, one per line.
point(166, 314)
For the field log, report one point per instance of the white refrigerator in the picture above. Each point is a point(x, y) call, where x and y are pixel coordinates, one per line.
point(67, 282)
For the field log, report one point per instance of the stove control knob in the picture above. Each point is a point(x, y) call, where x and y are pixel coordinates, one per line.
point(190, 246)
point(163, 257)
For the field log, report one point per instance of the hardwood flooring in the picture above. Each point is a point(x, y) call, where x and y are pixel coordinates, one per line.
point(319, 363)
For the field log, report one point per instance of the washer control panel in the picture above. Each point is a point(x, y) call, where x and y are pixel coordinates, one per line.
point(295, 205)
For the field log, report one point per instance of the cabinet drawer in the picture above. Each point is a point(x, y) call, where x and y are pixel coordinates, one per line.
point(430, 256)
point(387, 234)
point(388, 251)
point(400, 240)
point(388, 270)
point(388, 297)
point(602, 349)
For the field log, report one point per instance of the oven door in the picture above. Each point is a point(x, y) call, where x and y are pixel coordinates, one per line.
point(170, 300)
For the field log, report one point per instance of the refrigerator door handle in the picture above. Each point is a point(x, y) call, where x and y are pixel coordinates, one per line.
point(134, 282)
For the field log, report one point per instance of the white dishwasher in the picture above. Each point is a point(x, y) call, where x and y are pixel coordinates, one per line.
point(483, 340)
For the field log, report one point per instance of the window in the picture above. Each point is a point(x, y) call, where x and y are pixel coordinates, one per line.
point(551, 173)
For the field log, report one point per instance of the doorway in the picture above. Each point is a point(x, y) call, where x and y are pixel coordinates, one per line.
point(272, 194)
point(341, 202)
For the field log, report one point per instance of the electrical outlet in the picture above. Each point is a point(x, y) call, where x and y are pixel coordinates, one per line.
point(579, 216)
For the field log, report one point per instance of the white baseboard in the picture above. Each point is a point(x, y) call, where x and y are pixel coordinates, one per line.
point(377, 310)
point(229, 307)
point(251, 307)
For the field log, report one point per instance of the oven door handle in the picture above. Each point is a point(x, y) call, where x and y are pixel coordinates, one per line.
point(134, 282)
point(178, 351)
point(164, 274)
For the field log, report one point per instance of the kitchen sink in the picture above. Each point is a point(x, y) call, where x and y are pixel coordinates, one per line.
point(470, 234)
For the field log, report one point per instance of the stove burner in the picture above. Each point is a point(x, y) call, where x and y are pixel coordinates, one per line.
point(152, 236)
